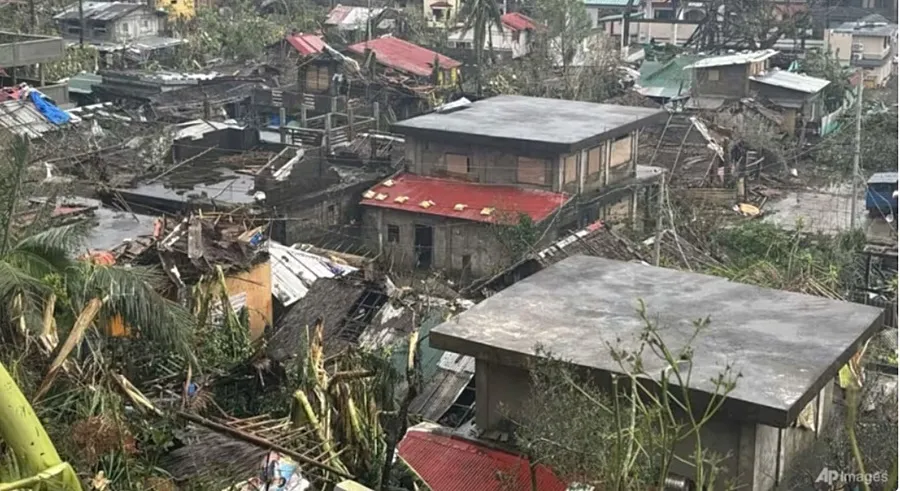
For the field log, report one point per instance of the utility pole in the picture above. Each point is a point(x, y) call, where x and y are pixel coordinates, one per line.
point(81, 23)
point(856, 150)
point(660, 200)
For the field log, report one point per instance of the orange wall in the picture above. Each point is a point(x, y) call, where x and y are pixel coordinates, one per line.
point(257, 285)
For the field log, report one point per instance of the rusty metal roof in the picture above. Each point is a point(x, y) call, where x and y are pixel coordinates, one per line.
point(404, 56)
point(450, 198)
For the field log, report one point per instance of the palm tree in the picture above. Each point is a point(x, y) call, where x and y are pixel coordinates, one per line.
point(43, 286)
point(480, 16)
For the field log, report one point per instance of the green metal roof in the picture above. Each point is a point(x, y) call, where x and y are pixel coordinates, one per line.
point(668, 79)
point(84, 83)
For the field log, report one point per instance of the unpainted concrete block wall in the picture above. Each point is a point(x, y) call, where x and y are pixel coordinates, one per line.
point(453, 239)
point(733, 81)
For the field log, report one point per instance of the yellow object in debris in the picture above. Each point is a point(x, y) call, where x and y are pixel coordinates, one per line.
point(459, 207)
point(487, 211)
point(388, 183)
point(426, 204)
point(381, 196)
point(748, 210)
point(369, 194)
point(401, 199)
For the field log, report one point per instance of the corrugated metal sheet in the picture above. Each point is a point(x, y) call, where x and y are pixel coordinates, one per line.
point(792, 81)
point(294, 271)
point(883, 178)
point(23, 118)
point(734, 59)
point(404, 56)
point(306, 44)
point(348, 18)
point(100, 11)
point(450, 463)
point(443, 196)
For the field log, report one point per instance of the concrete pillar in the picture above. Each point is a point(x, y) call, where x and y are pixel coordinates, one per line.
point(302, 114)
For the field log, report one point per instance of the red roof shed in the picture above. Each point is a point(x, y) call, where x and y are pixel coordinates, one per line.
point(449, 463)
point(404, 56)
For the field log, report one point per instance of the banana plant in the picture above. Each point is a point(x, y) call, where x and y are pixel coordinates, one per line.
point(31, 446)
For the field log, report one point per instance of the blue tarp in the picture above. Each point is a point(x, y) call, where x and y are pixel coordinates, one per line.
point(52, 113)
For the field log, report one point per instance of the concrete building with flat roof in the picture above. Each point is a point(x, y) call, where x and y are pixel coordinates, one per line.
point(787, 346)
point(562, 164)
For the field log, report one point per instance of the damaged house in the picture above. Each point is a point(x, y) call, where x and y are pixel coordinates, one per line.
point(497, 163)
point(197, 250)
point(746, 79)
point(135, 29)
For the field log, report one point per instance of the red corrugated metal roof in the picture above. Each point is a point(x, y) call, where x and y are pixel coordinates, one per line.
point(517, 21)
point(306, 44)
point(444, 195)
point(454, 464)
point(404, 56)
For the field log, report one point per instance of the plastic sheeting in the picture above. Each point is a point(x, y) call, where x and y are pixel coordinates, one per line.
point(52, 113)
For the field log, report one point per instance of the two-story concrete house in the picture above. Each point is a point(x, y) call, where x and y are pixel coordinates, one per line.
point(483, 166)
point(869, 43)
point(115, 26)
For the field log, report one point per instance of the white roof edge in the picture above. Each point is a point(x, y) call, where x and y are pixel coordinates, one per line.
point(734, 59)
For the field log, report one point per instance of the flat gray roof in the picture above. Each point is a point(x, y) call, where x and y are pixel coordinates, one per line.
point(540, 124)
point(786, 345)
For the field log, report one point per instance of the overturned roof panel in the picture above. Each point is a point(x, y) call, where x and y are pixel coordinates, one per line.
point(294, 271)
point(792, 81)
point(348, 18)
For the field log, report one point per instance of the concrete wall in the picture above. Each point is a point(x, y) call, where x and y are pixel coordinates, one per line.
point(486, 165)
point(874, 47)
point(22, 49)
point(840, 44)
point(452, 239)
point(500, 166)
point(878, 76)
point(725, 81)
point(754, 456)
